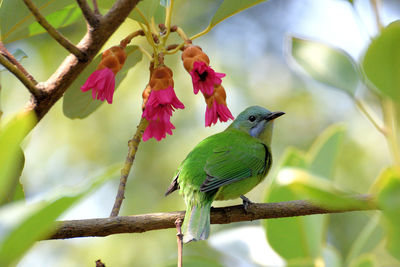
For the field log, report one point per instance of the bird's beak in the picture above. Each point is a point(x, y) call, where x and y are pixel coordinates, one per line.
point(274, 115)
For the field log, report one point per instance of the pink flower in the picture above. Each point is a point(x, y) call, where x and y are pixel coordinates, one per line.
point(158, 129)
point(102, 83)
point(217, 111)
point(158, 111)
point(204, 78)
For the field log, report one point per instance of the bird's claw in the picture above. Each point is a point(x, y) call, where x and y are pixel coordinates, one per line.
point(247, 203)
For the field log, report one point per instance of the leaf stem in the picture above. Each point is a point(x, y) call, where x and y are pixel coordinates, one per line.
point(205, 31)
point(145, 53)
point(370, 117)
point(133, 145)
point(168, 21)
point(389, 117)
point(53, 32)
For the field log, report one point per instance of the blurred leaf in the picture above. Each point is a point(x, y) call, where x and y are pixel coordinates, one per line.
point(149, 9)
point(369, 237)
point(325, 151)
point(36, 221)
point(11, 135)
point(382, 60)
point(318, 190)
point(16, 191)
point(293, 238)
point(17, 21)
point(297, 237)
point(389, 201)
point(18, 54)
point(331, 257)
point(328, 65)
point(77, 104)
point(301, 238)
point(366, 260)
point(229, 8)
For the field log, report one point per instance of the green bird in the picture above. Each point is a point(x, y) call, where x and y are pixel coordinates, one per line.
point(224, 166)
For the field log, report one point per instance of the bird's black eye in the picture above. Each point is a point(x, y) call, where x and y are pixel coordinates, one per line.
point(252, 118)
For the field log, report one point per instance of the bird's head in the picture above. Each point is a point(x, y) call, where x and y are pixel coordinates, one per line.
point(257, 122)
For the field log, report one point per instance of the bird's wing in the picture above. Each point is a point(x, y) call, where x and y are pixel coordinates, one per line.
point(234, 163)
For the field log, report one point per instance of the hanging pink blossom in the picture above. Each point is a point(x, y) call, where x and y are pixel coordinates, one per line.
point(102, 84)
point(158, 111)
point(204, 78)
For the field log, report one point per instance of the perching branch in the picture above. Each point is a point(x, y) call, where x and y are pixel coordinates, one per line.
point(53, 32)
point(155, 221)
point(90, 45)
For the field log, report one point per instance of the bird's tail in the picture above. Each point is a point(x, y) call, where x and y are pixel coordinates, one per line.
point(196, 225)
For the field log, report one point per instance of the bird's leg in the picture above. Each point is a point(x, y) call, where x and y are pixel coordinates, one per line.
point(246, 203)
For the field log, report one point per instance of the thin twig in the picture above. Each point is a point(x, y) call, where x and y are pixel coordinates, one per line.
point(13, 60)
point(96, 7)
point(124, 42)
point(91, 17)
point(179, 240)
point(156, 221)
point(21, 76)
point(53, 32)
point(375, 6)
point(133, 145)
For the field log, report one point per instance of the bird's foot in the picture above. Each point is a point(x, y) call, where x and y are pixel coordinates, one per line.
point(247, 204)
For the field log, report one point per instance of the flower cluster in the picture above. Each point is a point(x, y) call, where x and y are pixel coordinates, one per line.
point(102, 81)
point(159, 98)
point(159, 102)
point(206, 80)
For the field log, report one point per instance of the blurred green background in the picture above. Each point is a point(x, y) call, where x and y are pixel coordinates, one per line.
point(250, 48)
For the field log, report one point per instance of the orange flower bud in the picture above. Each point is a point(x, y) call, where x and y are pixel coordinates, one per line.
point(113, 58)
point(161, 78)
point(191, 54)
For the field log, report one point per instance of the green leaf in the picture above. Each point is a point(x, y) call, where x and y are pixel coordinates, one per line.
point(366, 260)
point(229, 8)
point(382, 60)
point(19, 54)
point(325, 151)
point(149, 9)
point(16, 19)
point(293, 238)
point(320, 191)
point(21, 225)
point(16, 190)
point(301, 238)
point(298, 237)
point(328, 65)
point(11, 135)
point(77, 104)
point(389, 201)
point(369, 237)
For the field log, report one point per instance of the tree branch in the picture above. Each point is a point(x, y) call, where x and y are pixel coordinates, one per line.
point(90, 45)
point(156, 221)
point(13, 60)
point(53, 32)
point(20, 75)
point(89, 15)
